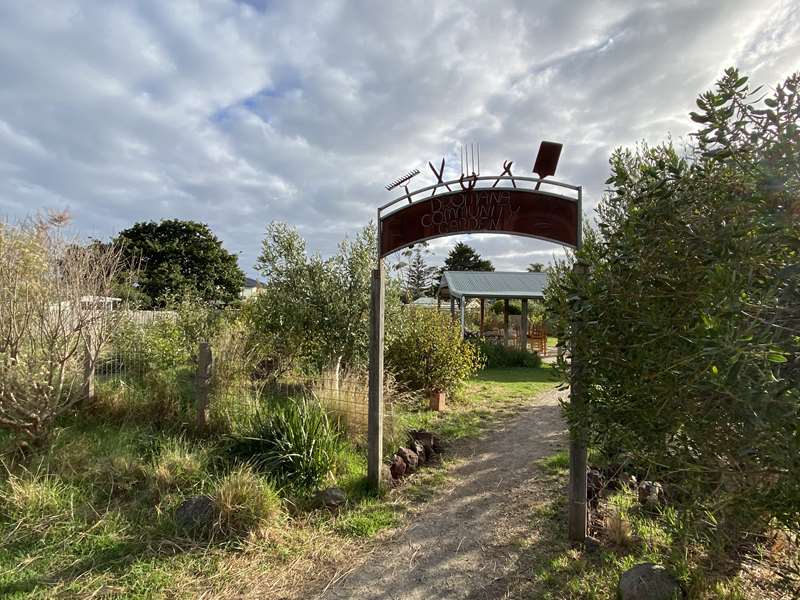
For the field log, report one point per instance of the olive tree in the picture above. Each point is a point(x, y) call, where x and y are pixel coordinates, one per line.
point(313, 312)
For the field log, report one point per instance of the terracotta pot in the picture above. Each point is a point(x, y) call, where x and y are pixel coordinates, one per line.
point(437, 400)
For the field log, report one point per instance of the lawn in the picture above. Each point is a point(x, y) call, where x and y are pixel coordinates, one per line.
point(493, 394)
point(93, 515)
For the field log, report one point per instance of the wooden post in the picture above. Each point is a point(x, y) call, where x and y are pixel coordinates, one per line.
point(524, 324)
point(203, 383)
point(483, 305)
point(452, 308)
point(88, 371)
point(578, 437)
point(506, 333)
point(375, 422)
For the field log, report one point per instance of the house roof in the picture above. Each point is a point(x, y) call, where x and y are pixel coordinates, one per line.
point(493, 284)
point(249, 282)
point(425, 301)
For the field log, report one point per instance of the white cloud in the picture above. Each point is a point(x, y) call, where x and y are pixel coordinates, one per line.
point(238, 113)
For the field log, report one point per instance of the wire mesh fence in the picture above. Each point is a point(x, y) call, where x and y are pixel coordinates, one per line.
point(345, 399)
point(146, 383)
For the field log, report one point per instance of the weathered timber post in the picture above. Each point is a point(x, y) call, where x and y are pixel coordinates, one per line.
point(452, 308)
point(524, 324)
point(375, 421)
point(88, 371)
point(506, 334)
point(578, 435)
point(483, 306)
point(205, 362)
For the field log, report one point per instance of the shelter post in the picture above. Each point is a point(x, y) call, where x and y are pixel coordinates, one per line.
point(524, 324)
point(462, 302)
point(483, 306)
point(375, 419)
point(452, 308)
point(506, 333)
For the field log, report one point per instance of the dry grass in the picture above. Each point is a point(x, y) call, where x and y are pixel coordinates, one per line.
point(245, 503)
point(618, 528)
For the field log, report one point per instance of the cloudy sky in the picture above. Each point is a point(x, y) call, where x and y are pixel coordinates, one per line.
point(237, 113)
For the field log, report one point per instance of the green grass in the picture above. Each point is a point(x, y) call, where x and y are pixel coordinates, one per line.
point(491, 395)
point(553, 569)
point(94, 512)
point(368, 518)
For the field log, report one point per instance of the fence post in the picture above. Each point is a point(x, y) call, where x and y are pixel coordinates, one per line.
point(205, 361)
point(578, 437)
point(88, 370)
point(375, 419)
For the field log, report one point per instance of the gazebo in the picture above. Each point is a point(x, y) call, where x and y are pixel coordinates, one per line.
point(466, 285)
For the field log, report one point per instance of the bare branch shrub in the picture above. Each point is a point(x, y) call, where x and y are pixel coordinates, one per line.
point(54, 314)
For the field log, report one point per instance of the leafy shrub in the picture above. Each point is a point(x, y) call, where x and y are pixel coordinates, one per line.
point(159, 346)
point(691, 349)
point(293, 441)
point(501, 356)
point(514, 307)
point(426, 352)
point(244, 501)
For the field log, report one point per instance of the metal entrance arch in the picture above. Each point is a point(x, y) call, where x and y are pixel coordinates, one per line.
point(502, 204)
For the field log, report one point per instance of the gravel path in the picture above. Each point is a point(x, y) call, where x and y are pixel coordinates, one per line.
point(465, 542)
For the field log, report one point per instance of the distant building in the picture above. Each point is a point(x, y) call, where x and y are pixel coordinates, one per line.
point(251, 288)
point(99, 302)
point(425, 302)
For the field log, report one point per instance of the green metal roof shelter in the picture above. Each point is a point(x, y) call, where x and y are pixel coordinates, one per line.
point(464, 285)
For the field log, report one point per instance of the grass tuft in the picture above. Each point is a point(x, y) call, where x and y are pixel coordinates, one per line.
point(244, 501)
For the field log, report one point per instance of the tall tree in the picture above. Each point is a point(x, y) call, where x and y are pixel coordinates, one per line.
point(464, 258)
point(175, 257)
point(419, 275)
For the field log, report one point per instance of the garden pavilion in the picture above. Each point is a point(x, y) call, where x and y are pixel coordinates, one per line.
point(463, 286)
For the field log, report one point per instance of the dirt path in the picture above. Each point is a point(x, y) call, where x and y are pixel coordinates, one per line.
point(465, 542)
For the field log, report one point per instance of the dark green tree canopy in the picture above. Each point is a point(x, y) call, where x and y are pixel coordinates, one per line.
point(176, 257)
point(464, 258)
point(536, 268)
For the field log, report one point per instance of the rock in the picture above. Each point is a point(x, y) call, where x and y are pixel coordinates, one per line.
point(651, 493)
point(397, 467)
point(420, 450)
point(386, 476)
point(411, 459)
point(647, 581)
point(197, 512)
point(594, 486)
point(430, 442)
point(331, 497)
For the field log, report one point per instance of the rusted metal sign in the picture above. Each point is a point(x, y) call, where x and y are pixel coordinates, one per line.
point(482, 210)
